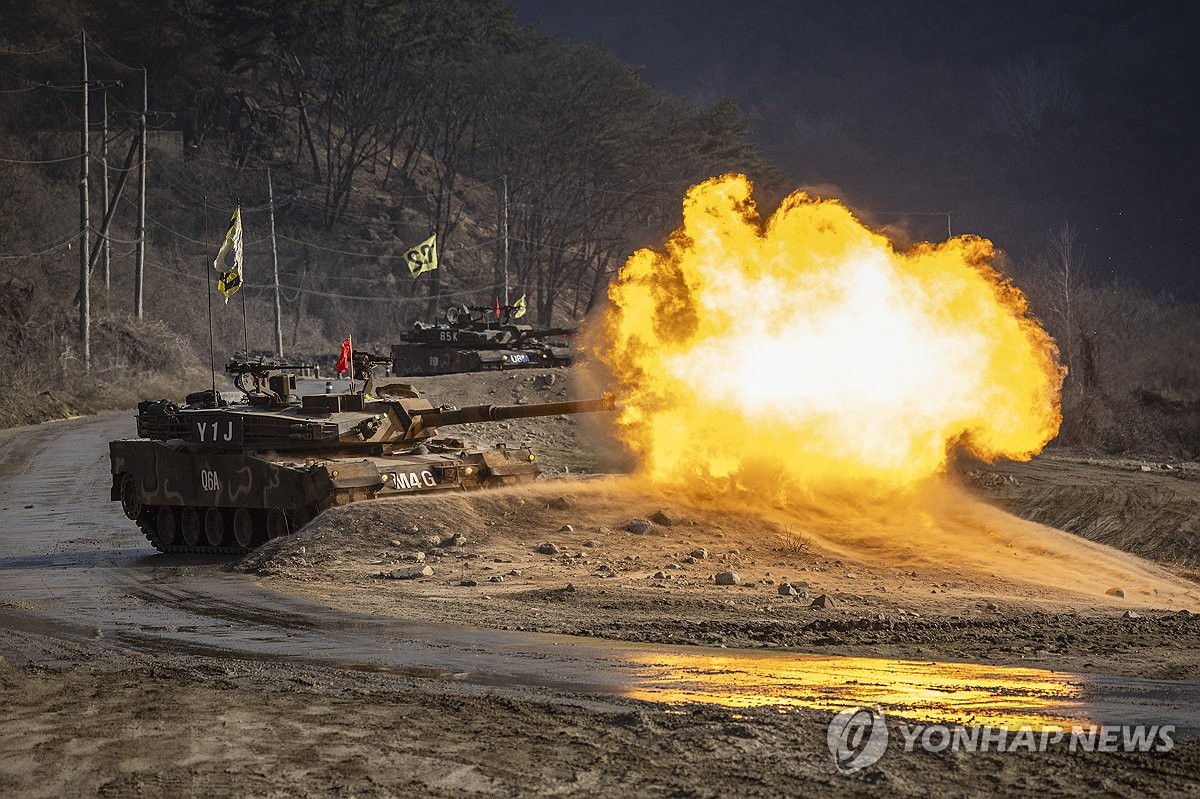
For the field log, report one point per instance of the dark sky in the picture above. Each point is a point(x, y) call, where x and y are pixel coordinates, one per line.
point(894, 107)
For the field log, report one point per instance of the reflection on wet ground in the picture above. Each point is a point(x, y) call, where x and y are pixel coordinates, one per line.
point(74, 569)
point(964, 693)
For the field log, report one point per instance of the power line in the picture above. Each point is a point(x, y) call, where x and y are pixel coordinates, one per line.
point(331, 294)
point(119, 63)
point(47, 161)
point(51, 248)
point(60, 45)
point(380, 255)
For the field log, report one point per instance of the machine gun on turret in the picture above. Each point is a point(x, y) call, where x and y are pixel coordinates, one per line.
point(271, 380)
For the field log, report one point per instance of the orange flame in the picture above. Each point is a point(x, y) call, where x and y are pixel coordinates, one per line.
point(806, 354)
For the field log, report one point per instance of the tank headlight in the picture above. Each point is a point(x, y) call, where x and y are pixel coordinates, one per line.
point(469, 470)
point(532, 458)
point(334, 473)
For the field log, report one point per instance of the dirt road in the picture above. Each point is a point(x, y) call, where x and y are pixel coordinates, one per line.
point(127, 673)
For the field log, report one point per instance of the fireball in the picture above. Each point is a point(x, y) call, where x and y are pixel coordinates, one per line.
point(804, 354)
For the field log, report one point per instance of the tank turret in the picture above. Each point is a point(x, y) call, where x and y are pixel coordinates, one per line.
point(221, 475)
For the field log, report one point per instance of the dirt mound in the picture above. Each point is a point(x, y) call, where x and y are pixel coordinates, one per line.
point(1146, 507)
point(606, 557)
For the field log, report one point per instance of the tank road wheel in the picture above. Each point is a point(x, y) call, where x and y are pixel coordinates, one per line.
point(131, 497)
point(214, 526)
point(191, 526)
point(244, 527)
point(277, 523)
point(168, 526)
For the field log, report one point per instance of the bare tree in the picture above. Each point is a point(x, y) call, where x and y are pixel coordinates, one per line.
point(1027, 95)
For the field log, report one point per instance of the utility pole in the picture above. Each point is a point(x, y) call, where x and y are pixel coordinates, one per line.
point(85, 310)
point(140, 263)
point(275, 267)
point(504, 233)
point(107, 243)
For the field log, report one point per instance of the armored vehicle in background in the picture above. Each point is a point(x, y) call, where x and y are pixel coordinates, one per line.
point(473, 339)
point(213, 475)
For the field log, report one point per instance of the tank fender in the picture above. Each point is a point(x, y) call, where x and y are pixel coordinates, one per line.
point(504, 462)
point(352, 474)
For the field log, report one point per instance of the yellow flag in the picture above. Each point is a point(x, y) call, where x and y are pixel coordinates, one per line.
point(519, 308)
point(229, 259)
point(422, 258)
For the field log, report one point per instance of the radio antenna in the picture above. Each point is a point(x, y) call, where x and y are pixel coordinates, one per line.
point(208, 270)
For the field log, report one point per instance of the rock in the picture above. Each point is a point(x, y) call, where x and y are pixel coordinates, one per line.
point(992, 606)
point(456, 540)
point(689, 559)
point(639, 526)
point(1130, 614)
point(821, 602)
point(496, 578)
point(660, 575)
point(1185, 614)
point(515, 573)
point(570, 588)
point(419, 557)
point(547, 548)
point(502, 559)
point(397, 543)
point(786, 589)
point(699, 554)
point(468, 583)
point(728, 578)
point(549, 379)
point(412, 573)
point(603, 530)
point(430, 541)
point(559, 503)
point(566, 528)
point(1117, 592)
point(666, 517)
point(591, 543)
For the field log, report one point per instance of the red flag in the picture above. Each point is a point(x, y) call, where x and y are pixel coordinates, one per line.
point(497, 307)
point(343, 363)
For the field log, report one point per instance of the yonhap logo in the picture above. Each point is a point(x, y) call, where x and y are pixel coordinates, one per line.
point(857, 738)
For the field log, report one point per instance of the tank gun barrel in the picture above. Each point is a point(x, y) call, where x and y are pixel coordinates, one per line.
point(474, 414)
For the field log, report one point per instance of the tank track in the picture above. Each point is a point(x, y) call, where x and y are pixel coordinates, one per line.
point(146, 524)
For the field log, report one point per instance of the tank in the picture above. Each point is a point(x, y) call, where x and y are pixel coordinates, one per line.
point(472, 339)
point(222, 475)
